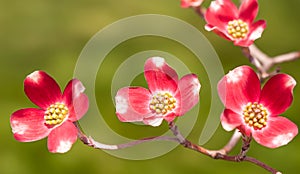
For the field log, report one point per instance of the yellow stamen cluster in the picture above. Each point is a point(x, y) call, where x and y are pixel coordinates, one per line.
point(255, 115)
point(162, 103)
point(55, 114)
point(238, 29)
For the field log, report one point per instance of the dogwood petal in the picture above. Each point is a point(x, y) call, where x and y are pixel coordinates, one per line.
point(61, 138)
point(248, 10)
point(230, 120)
point(220, 12)
point(256, 31)
point(223, 33)
point(190, 3)
point(238, 87)
point(29, 125)
point(189, 88)
point(160, 76)
point(170, 116)
point(279, 131)
point(282, 86)
point(132, 104)
point(76, 101)
point(42, 89)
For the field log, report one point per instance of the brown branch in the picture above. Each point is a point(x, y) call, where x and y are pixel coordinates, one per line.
point(245, 148)
point(184, 142)
point(288, 57)
point(237, 158)
point(264, 63)
point(232, 142)
point(87, 140)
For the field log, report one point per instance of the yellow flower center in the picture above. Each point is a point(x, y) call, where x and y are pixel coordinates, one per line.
point(255, 115)
point(56, 114)
point(162, 103)
point(238, 29)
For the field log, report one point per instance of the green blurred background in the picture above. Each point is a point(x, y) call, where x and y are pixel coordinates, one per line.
point(49, 35)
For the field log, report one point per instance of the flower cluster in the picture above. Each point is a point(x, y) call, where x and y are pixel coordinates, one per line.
point(254, 110)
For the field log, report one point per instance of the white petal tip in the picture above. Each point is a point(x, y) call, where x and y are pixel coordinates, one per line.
point(155, 122)
point(18, 128)
point(283, 139)
point(158, 61)
point(78, 89)
point(234, 75)
point(35, 76)
point(64, 146)
point(196, 85)
point(121, 105)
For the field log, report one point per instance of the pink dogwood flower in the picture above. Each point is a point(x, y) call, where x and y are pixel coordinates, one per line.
point(255, 111)
point(56, 113)
point(190, 3)
point(234, 24)
point(166, 99)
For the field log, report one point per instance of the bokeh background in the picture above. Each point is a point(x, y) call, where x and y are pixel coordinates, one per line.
point(49, 35)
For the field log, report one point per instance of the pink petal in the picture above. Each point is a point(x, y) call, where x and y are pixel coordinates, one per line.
point(257, 29)
point(76, 101)
point(248, 10)
point(190, 3)
point(29, 125)
point(277, 94)
point(80, 107)
point(42, 89)
point(189, 88)
point(220, 12)
point(223, 33)
point(243, 42)
point(279, 131)
point(160, 76)
point(132, 104)
point(245, 129)
point(184, 4)
point(170, 116)
point(230, 120)
point(239, 87)
point(61, 138)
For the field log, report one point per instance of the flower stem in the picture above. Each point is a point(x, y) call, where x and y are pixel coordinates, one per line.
point(87, 140)
point(215, 155)
point(264, 63)
point(231, 143)
point(179, 138)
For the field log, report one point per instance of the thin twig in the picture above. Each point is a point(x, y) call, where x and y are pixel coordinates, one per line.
point(237, 158)
point(232, 143)
point(245, 148)
point(288, 57)
point(97, 145)
point(264, 63)
point(179, 138)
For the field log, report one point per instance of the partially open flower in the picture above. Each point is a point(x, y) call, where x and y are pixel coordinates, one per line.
point(191, 3)
point(255, 111)
point(166, 98)
point(234, 24)
point(56, 113)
